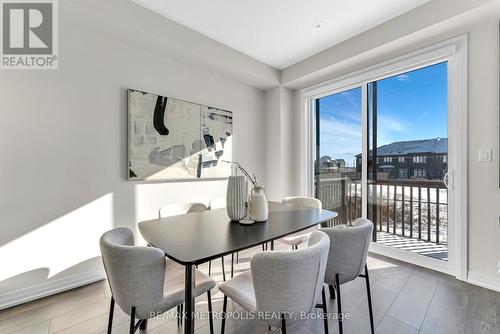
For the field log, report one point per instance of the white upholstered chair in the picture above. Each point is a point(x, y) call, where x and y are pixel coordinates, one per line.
point(282, 282)
point(176, 209)
point(296, 239)
point(144, 283)
point(347, 260)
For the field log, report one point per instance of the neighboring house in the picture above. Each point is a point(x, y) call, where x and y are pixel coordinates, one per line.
point(415, 159)
point(328, 164)
point(341, 163)
point(326, 161)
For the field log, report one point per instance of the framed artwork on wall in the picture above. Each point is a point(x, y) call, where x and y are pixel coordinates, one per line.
point(171, 139)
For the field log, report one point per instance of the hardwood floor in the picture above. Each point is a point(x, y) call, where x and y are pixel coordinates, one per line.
point(406, 299)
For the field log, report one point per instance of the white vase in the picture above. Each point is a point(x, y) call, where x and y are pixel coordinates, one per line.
point(236, 197)
point(258, 205)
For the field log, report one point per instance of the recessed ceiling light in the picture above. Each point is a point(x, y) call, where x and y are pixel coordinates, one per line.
point(318, 25)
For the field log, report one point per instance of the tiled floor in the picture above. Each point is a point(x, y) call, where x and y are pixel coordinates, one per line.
point(406, 299)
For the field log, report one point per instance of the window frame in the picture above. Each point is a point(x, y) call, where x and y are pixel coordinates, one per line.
point(419, 172)
point(419, 159)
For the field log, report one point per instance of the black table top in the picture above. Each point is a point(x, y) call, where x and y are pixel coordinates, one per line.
point(196, 238)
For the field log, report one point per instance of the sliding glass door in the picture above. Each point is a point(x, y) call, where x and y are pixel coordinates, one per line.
point(400, 122)
point(407, 160)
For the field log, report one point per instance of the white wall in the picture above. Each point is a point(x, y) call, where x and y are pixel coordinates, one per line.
point(484, 192)
point(63, 143)
point(279, 148)
point(273, 149)
point(482, 27)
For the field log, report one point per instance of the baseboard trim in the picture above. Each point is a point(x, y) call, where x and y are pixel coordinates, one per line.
point(485, 281)
point(45, 289)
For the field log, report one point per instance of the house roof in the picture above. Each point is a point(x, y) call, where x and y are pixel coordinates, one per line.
point(328, 159)
point(435, 145)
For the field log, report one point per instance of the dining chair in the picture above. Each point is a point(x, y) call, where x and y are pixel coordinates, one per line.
point(144, 283)
point(296, 239)
point(282, 283)
point(176, 209)
point(347, 260)
point(220, 203)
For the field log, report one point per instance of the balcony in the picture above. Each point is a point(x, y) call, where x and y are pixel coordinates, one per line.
point(411, 215)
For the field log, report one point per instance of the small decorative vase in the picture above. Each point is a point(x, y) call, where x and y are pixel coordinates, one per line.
point(258, 205)
point(236, 197)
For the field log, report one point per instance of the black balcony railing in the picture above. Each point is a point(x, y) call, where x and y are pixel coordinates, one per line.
point(407, 208)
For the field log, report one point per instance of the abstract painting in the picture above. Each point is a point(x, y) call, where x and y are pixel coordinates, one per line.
point(174, 139)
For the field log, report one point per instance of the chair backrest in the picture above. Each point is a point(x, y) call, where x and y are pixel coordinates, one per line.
point(176, 209)
point(217, 203)
point(197, 207)
point(309, 202)
point(135, 274)
point(348, 250)
point(290, 281)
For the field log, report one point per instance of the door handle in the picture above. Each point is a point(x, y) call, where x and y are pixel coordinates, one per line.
point(445, 179)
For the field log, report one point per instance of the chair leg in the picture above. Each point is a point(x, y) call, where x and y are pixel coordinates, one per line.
point(232, 264)
point(210, 314)
point(283, 324)
point(144, 324)
point(132, 320)
point(224, 308)
point(339, 304)
point(369, 294)
point(325, 312)
point(332, 291)
point(182, 313)
point(178, 315)
point(209, 268)
point(111, 311)
point(237, 258)
point(223, 269)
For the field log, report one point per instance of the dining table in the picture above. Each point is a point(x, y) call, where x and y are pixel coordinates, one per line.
point(195, 238)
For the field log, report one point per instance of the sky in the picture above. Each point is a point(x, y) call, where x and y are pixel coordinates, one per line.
point(410, 106)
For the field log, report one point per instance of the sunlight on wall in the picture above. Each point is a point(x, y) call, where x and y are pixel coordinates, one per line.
point(60, 244)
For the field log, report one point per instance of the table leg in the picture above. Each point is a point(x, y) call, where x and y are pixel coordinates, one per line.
point(232, 265)
point(189, 299)
point(272, 245)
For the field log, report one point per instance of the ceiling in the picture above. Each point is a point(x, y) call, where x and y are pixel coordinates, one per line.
point(280, 33)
